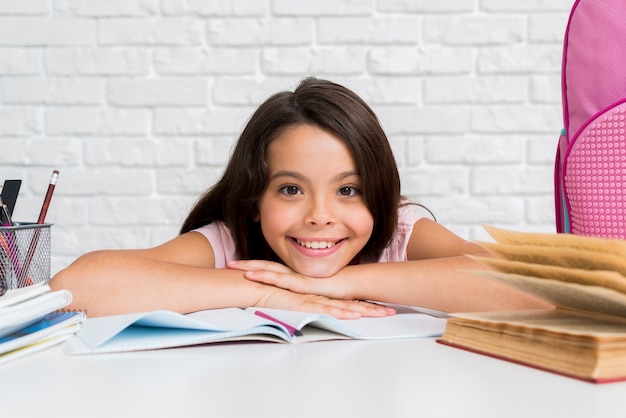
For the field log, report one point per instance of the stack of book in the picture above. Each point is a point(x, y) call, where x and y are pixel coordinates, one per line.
point(32, 318)
point(584, 335)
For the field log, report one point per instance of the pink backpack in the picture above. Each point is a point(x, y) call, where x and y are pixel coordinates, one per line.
point(590, 167)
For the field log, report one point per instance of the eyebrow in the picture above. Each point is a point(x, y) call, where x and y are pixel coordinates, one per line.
point(299, 176)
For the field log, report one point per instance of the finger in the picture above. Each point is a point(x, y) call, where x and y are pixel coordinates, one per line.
point(370, 309)
point(355, 309)
point(253, 265)
point(290, 282)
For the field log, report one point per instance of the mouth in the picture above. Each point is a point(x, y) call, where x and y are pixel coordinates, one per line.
point(317, 245)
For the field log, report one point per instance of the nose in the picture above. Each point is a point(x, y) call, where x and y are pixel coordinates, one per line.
point(320, 212)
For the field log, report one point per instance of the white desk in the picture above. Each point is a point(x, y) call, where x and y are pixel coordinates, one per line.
point(352, 379)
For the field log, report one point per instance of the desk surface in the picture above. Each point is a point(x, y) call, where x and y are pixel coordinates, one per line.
point(398, 378)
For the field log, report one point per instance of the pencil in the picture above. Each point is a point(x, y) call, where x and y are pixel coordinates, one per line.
point(290, 329)
point(46, 200)
point(42, 218)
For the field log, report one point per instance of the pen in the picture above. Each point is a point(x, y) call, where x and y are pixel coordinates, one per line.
point(42, 218)
point(291, 329)
point(6, 215)
point(5, 263)
point(46, 200)
point(9, 248)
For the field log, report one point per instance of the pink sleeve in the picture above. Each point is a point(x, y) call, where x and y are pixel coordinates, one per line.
point(221, 240)
point(396, 250)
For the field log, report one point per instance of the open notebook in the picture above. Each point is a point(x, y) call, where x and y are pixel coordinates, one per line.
point(163, 329)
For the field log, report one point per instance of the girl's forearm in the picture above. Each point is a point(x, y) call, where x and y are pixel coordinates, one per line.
point(441, 284)
point(113, 282)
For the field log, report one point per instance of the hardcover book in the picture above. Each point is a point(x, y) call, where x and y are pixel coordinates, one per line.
point(584, 336)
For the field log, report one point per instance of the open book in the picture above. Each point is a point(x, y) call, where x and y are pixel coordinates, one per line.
point(163, 329)
point(583, 277)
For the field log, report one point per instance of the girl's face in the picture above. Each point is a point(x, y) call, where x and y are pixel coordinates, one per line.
point(312, 213)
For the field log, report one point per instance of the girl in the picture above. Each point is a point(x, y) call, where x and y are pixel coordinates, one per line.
point(307, 216)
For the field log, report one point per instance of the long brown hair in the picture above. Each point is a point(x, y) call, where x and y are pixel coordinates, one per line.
point(332, 107)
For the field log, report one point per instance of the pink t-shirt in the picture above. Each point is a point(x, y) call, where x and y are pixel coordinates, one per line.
point(223, 244)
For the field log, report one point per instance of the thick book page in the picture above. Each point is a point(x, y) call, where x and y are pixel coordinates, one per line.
point(603, 278)
point(558, 322)
point(578, 344)
point(17, 316)
point(602, 245)
point(563, 294)
point(162, 329)
point(575, 258)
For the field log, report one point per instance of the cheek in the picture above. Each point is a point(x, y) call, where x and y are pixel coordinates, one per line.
point(273, 222)
point(363, 223)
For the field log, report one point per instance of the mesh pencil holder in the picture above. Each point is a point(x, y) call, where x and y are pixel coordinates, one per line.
point(24, 255)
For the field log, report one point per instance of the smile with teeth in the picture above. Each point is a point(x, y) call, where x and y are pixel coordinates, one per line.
point(316, 245)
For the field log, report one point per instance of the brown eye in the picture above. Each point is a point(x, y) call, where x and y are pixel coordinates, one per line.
point(290, 190)
point(348, 191)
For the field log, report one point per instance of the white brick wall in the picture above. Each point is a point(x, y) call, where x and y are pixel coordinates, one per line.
point(137, 102)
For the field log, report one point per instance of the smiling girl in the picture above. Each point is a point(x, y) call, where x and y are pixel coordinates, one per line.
point(308, 216)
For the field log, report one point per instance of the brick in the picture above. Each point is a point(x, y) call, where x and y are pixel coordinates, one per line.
point(247, 91)
point(138, 152)
point(214, 61)
point(85, 121)
point(20, 122)
point(163, 31)
point(415, 150)
point(282, 61)
point(436, 181)
point(519, 59)
point(530, 6)
point(488, 30)
point(199, 121)
point(545, 89)
point(472, 151)
point(213, 152)
point(55, 91)
point(513, 180)
point(546, 28)
point(108, 8)
point(15, 61)
point(372, 30)
point(40, 152)
point(107, 182)
point(478, 210)
point(413, 120)
point(215, 7)
point(497, 89)
point(426, 6)
point(158, 92)
point(322, 7)
point(31, 31)
point(386, 90)
point(187, 181)
point(24, 7)
point(419, 61)
point(399, 148)
point(338, 60)
point(516, 119)
point(542, 148)
point(255, 32)
point(97, 61)
point(540, 213)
